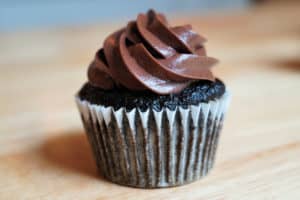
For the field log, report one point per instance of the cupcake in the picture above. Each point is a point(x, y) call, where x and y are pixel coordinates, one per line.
point(152, 108)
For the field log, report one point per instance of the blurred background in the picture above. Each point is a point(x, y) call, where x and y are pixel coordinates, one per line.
point(18, 14)
point(46, 46)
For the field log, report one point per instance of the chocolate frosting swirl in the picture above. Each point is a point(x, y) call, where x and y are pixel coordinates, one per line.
point(150, 55)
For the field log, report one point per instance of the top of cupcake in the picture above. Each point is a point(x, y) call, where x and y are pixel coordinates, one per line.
point(148, 54)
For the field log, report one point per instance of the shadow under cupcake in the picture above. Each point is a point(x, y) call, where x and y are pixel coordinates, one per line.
point(152, 109)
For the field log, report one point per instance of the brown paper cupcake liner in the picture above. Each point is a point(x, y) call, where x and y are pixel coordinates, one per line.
point(154, 149)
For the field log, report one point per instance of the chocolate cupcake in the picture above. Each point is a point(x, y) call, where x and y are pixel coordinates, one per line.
point(152, 109)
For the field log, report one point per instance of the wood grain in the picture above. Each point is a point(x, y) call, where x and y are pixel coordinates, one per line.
point(43, 150)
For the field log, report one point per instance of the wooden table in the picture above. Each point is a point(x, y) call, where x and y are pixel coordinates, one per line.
point(44, 153)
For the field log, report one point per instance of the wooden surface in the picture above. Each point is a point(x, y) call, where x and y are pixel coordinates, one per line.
point(43, 150)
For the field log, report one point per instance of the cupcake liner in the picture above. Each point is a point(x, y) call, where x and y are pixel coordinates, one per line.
point(154, 149)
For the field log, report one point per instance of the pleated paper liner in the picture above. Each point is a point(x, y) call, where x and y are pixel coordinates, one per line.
point(154, 149)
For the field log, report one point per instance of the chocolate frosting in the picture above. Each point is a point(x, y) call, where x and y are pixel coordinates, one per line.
point(150, 55)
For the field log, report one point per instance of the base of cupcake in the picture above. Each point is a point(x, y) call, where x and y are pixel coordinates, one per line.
point(156, 186)
point(154, 149)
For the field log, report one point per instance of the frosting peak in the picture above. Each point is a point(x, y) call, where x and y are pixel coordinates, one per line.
point(149, 54)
